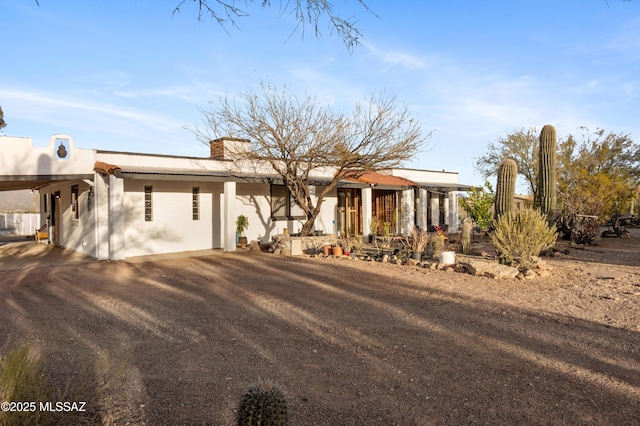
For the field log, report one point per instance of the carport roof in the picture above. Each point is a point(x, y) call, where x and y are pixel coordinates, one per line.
point(18, 182)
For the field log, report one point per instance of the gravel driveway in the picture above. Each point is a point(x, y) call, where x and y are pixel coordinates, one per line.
point(352, 342)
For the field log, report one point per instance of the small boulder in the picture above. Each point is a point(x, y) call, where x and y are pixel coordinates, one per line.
point(487, 268)
point(412, 262)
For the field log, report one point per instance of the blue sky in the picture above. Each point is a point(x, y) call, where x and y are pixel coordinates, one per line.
point(127, 75)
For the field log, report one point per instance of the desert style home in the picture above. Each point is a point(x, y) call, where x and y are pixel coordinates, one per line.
point(116, 205)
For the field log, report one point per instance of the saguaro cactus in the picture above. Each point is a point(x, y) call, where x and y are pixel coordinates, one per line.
point(547, 171)
point(506, 186)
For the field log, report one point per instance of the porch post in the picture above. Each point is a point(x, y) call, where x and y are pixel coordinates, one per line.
point(435, 210)
point(423, 208)
point(453, 211)
point(229, 217)
point(116, 218)
point(367, 210)
point(447, 218)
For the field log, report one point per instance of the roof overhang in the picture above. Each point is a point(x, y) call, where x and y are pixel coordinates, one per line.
point(20, 182)
point(445, 187)
point(374, 180)
point(138, 172)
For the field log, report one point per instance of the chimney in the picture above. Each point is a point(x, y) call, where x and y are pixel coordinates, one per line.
point(228, 148)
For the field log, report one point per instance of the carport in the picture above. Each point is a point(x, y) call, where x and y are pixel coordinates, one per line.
point(24, 166)
point(20, 253)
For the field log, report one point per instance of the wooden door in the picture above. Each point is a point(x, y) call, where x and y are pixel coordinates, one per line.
point(349, 218)
point(385, 205)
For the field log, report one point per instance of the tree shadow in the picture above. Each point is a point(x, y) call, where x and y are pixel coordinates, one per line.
point(350, 346)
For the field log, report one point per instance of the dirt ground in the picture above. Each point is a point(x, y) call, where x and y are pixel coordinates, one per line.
point(352, 342)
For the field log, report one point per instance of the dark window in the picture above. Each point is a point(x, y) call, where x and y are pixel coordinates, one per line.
point(196, 203)
point(283, 206)
point(45, 196)
point(74, 201)
point(148, 203)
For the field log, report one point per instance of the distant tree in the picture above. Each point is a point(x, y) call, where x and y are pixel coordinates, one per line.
point(297, 136)
point(479, 204)
point(307, 12)
point(3, 124)
point(522, 146)
point(598, 176)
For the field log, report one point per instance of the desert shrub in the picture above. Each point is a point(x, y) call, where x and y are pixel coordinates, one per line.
point(584, 229)
point(520, 236)
point(24, 378)
point(264, 404)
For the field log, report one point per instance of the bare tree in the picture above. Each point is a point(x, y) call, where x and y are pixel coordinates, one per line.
point(297, 136)
point(306, 12)
point(522, 146)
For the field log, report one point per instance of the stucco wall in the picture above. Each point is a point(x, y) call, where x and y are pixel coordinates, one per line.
point(254, 201)
point(20, 158)
point(172, 228)
point(73, 233)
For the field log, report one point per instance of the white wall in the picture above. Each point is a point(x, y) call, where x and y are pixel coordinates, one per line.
point(75, 234)
point(20, 157)
point(254, 201)
point(172, 228)
point(19, 223)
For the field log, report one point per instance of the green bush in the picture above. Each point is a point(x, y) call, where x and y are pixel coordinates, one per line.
point(520, 236)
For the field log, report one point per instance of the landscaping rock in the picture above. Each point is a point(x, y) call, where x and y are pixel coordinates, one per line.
point(487, 268)
point(254, 246)
point(412, 262)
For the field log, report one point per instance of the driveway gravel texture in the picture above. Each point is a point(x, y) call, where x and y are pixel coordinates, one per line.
point(352, 342)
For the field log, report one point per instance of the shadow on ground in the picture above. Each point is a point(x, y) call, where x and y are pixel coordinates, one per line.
point(350, 346)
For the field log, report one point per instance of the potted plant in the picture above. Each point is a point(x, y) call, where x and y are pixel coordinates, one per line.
point(387, 233)
point(242, 223)
point(419, 240)
point(346, 245)
point(374, 223)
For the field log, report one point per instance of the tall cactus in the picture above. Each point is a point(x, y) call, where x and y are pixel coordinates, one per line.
point(506, 186)
point(465, 240)
point(547, 171)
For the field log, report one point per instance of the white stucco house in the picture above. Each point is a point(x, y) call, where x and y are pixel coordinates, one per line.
point(116, 205)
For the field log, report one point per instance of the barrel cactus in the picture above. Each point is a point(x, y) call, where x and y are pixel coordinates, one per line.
point(506, 186)
point(547, 171)
point(264, 404)
point(465, 239)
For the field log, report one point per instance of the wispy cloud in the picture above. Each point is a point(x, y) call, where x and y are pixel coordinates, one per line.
point(393, 58)
point(627, 40)
point(40, 104)
point(183, 93)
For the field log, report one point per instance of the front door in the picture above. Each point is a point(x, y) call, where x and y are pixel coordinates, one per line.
point(54, 231)
point(385, 208)
point(349, 212)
